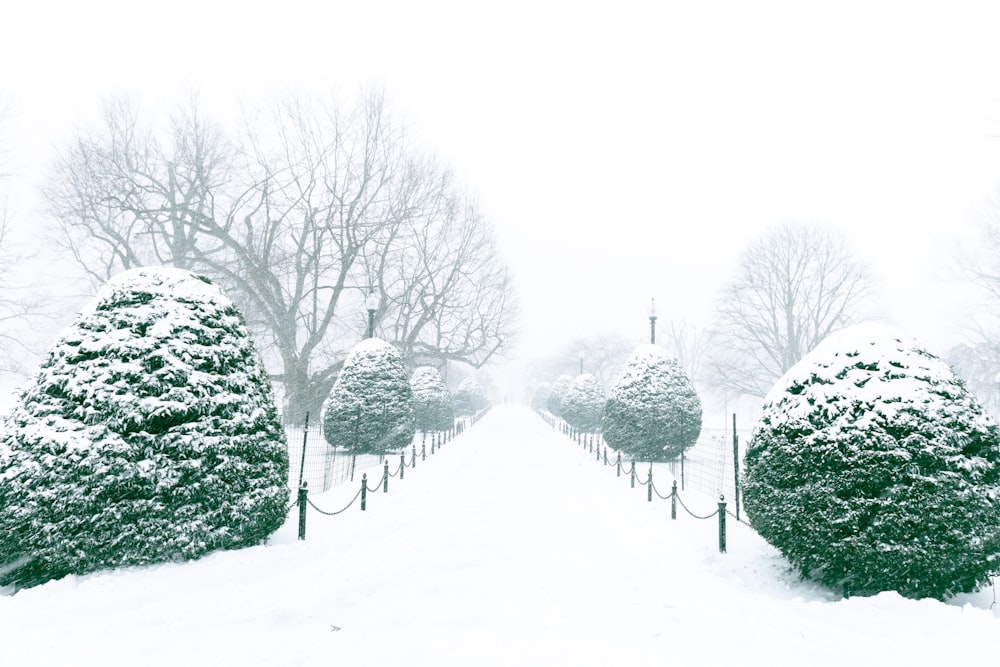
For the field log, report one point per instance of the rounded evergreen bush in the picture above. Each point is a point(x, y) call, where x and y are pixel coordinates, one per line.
point(540, 399)
point(470, 398)
point(149, 434)
point(872, 468)
point(370, 408)
point(557, 393)
point(432, 406)
point(653, 412)
point(583, 403)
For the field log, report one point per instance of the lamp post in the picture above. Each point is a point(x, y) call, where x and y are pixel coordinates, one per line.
point(581, 362)
point(652, 321)
point(371, 303)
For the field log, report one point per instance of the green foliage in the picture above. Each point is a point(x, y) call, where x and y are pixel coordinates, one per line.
point(470, 398)
point(432, 406)
point(370, 409)
point(149, 434)
point(874, 469)
point(653, 413)
point(557, 393)
point(583, 403)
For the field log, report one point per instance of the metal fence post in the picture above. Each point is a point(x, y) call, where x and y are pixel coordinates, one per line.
point(414, 464)
point(605, 456)
point(364, 490)
point(432, 446)
point(618, 465)
point(385, 478)
point(423, 452)
point(305, 439)
point(303, 493)
point(402, 465)
point(597, 455)
point(632, 474)
point(649, 484)
point(722, 524)
point(673, 501)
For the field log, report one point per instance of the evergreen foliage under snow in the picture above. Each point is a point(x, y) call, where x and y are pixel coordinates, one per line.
point(149, 434)
point(370, 409)
point(873, 468)
point(583, 403)
point(540, 399)
point(557, 393)
point(653, 413)
point(470, 398)
point(432, 406)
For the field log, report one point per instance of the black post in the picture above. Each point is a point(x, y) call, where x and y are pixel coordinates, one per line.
point(423, 452)
point(364, 490)
point(305, 438)
point(722, 524)
point(649, 484)
point(736, 468)
point(432, 446)
point(682, 470)
point(354, 459)
point(632, 474)
point(597, 455)
point(385, 478)
point(605, 456)
point(618, 465)
point(673, 501)
point(402, 465)
point(303, 493)
point(414, 464)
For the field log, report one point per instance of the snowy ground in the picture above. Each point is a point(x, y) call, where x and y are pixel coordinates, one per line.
point(510, 546)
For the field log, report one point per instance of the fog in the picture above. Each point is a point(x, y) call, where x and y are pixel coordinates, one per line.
point(623, 150)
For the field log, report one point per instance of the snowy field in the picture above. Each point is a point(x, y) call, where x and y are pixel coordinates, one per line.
point(510, 546)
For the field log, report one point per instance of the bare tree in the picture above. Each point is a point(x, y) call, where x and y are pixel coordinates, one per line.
point(17, 308)
point(311, 207)
point(688, 344)
point(793, 287)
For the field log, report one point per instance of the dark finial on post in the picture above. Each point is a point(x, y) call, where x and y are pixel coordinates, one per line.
point(364, 490)
point(722, 524)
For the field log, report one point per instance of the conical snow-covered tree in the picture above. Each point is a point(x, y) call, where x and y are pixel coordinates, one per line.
point(431, 400)
point(470, 398)
point(557, 393)
point(653, 413)
point(149, 434)
point(873, 468)
point(540, 399)
point(583, 403)
point(370, 409)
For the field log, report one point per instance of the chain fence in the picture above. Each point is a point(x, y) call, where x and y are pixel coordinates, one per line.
point(317, 460)
point(710, 467)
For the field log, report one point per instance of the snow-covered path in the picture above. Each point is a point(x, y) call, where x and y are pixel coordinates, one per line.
point(510, 546)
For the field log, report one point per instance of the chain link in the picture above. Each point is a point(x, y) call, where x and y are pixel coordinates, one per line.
point(338, 511)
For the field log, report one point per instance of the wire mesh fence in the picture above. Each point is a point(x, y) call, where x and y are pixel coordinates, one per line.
point(312, 459)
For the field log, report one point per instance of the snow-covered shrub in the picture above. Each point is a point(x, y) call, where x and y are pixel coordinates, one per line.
point(873, 468)
point(653, 412)
point(149, 434)
point(583, 403)
point(432, 407)
point(540, 399)
point(557, 393)
point(470, 398)
point(370, 408)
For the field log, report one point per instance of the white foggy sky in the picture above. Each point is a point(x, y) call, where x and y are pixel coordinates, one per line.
point(624, 150)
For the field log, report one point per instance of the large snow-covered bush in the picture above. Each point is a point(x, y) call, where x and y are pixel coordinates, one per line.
point(583, 403)
point(540, 399)
point(149, 434)
point(370, 408)
point(470, 398)
point(872, 468)
point(653, 412)
point(557, 393)
point(432, 406)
